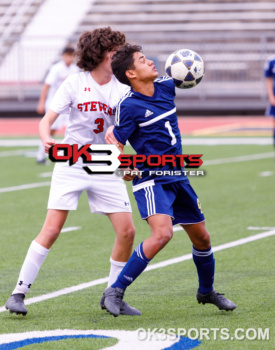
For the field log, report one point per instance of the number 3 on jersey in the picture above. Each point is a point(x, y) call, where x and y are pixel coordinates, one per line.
point(100, 122)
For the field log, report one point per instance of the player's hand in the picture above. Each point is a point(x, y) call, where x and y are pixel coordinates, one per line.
point(130, 177)
point(40, 108)
point(109, 137)
point(48, 143)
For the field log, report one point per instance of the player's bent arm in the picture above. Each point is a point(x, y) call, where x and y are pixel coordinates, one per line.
point(109, 136)
point(110, 139)
point(45, 128)
point(270, 93)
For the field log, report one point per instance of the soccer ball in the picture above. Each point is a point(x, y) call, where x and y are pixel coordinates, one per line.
point(185, 67)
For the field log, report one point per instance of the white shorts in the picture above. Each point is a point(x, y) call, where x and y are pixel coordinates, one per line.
point(106, 193)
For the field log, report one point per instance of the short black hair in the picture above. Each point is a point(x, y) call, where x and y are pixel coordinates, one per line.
point(68, 50)
point(123, 60)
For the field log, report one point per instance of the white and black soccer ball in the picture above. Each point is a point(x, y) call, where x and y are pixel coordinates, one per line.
point(185, 67)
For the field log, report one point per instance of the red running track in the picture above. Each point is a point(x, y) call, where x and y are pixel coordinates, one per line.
point(188, 125)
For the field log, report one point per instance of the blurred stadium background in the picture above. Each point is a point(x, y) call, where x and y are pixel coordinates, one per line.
point(233, 37)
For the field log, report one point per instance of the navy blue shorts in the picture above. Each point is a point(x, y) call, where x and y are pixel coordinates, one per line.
point(177, 199)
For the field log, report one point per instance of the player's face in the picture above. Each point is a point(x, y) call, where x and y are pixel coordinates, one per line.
point(144, 69)
point(68, 59)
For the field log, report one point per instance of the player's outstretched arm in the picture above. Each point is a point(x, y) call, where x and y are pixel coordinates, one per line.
point(45, 127)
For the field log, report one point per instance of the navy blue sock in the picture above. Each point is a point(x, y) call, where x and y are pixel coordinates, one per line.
point(134, 267)
point(205, 264)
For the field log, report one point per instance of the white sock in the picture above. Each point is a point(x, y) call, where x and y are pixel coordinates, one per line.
point(33, 261)
point(41, 155)
point(116, 268)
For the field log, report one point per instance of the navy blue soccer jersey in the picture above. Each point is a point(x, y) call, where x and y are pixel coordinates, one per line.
point(150, 125)
point(269, 70)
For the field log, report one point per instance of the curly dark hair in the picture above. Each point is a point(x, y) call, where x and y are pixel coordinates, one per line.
point(93, 46)
point(123, 60)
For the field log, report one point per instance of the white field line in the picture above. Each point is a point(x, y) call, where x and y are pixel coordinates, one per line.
point(260, 228)
point(25, 153)
point(23, 142)
point(24, 187)
point(11, 153)
point(227, 141)
point(69, 229)
point(209, 141)
point(149, 268)
point(19, 143)
point(215, 249)
point(49, 174)
point(239, 158)
point(266, 173)
point(207, 162)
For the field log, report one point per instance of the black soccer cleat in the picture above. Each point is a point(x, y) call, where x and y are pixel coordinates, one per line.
point(217, 299)
point(125, 308)
point(113, 300)
point(15, 304)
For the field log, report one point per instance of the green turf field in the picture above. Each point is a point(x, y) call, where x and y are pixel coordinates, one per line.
point(234, 196)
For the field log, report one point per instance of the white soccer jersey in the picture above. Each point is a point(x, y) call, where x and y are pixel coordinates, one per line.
point(57, 74)
point(92, 111)
point(92, 107)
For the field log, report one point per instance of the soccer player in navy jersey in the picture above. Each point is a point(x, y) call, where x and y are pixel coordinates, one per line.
point(269, 73)
point(146, 117)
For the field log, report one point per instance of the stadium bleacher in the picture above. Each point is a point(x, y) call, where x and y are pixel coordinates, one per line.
point(233, 37)
point(15, 15)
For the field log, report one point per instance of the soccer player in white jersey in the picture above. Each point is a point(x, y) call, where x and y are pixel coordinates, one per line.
point(92, 96)
point(55, 77)
point(164, 200)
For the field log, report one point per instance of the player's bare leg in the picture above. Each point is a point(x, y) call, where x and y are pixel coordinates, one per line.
point(125, 235)
point(122, 250)
point(52, 227)
point(205, 263)
point(161, 234)
point(36, 255)
point(198, 235)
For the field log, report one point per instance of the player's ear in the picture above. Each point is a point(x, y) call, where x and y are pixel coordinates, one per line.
point(130, 74)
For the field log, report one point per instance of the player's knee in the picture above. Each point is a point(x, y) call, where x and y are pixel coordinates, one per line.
point(127, 234)
point(164, 236)
point(53, 232)
point(204, 241)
